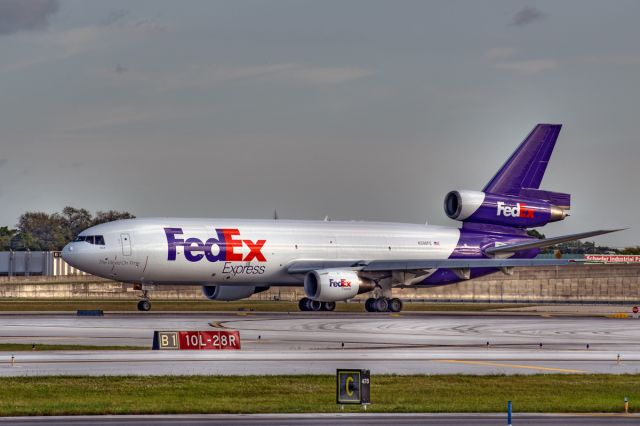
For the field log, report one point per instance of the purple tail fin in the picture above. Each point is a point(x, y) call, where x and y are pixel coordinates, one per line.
point(512, 200)
point(523, 171)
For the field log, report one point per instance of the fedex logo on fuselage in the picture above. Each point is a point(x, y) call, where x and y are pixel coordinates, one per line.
point(520, 210)
point(339, 283)
point(228, 245)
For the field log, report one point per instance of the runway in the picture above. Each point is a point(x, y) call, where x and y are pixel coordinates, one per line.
point(318, 343)
point(331, 419)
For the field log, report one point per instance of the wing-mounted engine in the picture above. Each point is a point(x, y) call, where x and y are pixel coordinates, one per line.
point(230, 292)
point(330, 285)
point(506, 210)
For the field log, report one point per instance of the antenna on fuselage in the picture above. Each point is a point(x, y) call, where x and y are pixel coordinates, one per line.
point(327, 219)
point(275, 214)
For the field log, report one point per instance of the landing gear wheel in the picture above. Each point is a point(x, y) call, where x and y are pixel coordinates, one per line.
point(381, 305)
point(395, 305)
point(328, 306)
point(368, 305)
point(315, 305)
point(144, 305)
point(303, 304)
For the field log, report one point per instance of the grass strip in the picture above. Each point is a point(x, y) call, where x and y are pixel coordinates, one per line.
point(307, 394)
point(22, 347)
point(24, 305)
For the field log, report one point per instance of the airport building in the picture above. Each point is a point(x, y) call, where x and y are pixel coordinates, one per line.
point(35, 263)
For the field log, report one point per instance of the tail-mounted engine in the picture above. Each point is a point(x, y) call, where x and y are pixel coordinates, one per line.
point(506, 210)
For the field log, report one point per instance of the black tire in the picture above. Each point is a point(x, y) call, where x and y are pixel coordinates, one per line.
point(395, 305)
point(315, 305)
point(329, 306)
point(381, 305)
point(144, 305)
point(303, 304)
point(368, 305)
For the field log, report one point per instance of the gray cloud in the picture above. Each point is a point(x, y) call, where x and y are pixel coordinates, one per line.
point(120, 69)
point(527, 15)
point(114, 16)
point(3, 161)
point(533, 66)
point(500, 52)
point(25, 15)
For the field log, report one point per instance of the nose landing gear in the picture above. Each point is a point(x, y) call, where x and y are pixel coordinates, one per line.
point(383, 304)
point(144, 304)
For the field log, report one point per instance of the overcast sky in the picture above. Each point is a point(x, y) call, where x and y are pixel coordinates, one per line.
point(353, 109)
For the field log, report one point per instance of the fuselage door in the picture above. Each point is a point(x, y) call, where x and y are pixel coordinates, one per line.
point(125, 240)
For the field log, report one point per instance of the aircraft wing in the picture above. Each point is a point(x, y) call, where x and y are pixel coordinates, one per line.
point(302, 267)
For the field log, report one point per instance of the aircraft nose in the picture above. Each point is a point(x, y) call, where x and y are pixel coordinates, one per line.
point(78, 256)
point(67, 253)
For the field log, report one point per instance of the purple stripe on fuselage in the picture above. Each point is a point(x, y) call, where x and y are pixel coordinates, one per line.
point(470, 246)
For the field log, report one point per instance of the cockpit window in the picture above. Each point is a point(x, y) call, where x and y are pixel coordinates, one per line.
point(91, 239)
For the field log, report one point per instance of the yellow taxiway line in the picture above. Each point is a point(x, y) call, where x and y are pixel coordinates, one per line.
point(497, 364)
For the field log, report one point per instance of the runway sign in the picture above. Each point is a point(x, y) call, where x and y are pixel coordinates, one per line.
point(353, 386)
point(196, 340)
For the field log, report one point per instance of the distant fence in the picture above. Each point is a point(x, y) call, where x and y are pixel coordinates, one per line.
point(34, 263)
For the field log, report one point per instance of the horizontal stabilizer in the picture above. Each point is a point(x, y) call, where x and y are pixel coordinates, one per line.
point(547, 242)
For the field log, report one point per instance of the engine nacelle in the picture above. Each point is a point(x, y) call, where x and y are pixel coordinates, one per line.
point(498, 209)
point(230, 292)
point(329, 285)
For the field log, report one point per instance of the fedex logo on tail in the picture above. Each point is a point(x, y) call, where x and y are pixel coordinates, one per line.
point(339, 283)
point(227, 242)
point(520, 210)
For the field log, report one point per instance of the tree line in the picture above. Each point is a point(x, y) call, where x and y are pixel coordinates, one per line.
point(40, 231)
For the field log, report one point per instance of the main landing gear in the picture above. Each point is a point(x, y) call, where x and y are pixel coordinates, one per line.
point(306, 304)
point(383, 304)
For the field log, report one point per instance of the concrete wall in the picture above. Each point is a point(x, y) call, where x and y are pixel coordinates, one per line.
point(574, 284)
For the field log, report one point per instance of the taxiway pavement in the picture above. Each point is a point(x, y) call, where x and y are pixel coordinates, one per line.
point(318, 343)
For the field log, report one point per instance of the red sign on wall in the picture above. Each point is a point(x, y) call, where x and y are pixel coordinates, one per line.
point(612, 258)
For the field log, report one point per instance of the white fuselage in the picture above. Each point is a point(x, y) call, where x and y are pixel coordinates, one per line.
point(236, 251)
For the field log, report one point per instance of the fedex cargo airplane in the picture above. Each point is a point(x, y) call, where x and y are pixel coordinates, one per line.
point(334, 261)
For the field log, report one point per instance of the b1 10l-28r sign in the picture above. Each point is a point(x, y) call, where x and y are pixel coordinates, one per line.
point(196, 340)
